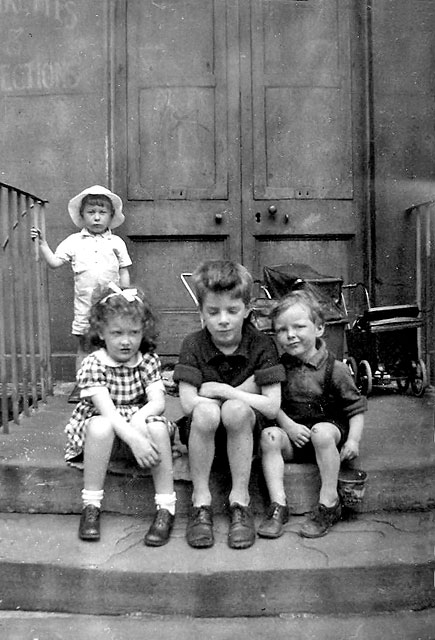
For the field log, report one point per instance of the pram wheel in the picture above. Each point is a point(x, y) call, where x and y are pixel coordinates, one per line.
point(353, 367)
point(419, 378)
point(364, 378)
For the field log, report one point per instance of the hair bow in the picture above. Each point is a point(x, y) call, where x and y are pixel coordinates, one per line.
point(129, 294)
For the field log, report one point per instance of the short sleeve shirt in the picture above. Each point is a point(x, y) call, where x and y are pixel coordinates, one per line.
point(201, 361)
point(304, 389)
point(95, 260)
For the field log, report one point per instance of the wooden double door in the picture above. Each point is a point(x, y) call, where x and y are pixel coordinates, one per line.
point(237, 135)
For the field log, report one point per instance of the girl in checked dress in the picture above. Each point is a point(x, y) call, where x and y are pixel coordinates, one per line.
point(119, 415)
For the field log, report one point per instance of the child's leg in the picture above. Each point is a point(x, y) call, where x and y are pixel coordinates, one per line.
point(162, 473)
point(239, 420)
point(165, 498)
point(82, 351)
point(275, 450)
point(325, 438)
point(98, 447)
point(205, 420)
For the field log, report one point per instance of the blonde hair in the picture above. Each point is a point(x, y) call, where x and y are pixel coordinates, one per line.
point(307, 298)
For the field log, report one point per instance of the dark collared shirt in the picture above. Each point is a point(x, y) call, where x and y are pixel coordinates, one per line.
point(304, 395)
point(201, 361)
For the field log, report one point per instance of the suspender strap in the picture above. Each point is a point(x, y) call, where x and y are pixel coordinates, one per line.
point(327, 386)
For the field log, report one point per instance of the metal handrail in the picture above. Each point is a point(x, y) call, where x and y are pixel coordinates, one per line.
point(25, 351)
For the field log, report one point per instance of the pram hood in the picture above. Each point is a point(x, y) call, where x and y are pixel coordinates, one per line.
point(284, 278)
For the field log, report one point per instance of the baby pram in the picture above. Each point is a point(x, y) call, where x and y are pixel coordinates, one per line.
point(281, 279)
point(383, 345)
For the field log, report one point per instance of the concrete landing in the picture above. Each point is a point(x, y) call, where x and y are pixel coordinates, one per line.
point(397, 451)
point(374, 563)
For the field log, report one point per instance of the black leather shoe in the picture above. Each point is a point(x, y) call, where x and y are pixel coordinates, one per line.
point(273, 524)
point(160, 530)
point(319, 521)
point(89, 528)
point(199, 533)
point(241, 533)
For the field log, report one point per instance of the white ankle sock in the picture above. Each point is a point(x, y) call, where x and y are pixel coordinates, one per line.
point(166, 501)
point(92, 497)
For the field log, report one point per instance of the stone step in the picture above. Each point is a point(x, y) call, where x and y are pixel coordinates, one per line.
point(397, 452)
point(400, 625)
point(375, 563)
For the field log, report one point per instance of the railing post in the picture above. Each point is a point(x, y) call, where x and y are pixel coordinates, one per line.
point(24, 306)
point(3, 327)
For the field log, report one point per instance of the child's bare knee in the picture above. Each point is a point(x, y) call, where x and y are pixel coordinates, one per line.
point(206, 413)
point(270, 439)
point(99, 427)
point(236, 412)
point(322, 435)
point(156, 428)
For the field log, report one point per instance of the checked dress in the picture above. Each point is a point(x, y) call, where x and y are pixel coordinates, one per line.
point(127, 384)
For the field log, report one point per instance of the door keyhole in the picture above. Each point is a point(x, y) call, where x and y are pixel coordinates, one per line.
point(258, 217)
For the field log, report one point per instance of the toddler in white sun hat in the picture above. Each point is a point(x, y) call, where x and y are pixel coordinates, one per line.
point(97, 256)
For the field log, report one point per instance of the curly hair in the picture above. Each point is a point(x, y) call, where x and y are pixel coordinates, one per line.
point(108, 305)
point(222, 276)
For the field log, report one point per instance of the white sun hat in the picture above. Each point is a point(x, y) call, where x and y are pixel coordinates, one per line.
point(74, 205)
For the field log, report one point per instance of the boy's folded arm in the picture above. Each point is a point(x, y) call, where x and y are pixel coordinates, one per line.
point(267, 401)
point(189, 397)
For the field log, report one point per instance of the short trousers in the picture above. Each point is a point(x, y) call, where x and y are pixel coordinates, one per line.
point(307, 453)
point(261, 422)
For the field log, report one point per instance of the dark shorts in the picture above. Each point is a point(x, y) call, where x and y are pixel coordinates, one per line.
point(184, 427)
point(307, 453)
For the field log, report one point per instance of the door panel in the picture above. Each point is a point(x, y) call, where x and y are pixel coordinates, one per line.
point(181, 171)
point(301, 99)
point(177, 100)
point(297, 193)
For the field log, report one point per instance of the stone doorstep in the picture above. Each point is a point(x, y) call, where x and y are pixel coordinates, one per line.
point(57, 489)
point(397, 625)
point(399, 460)
point(375, 563)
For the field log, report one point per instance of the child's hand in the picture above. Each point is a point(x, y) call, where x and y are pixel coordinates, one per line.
point(144, 450)
point(36, 234)
point(299, 434)
point(350, 450)
point(215, 390)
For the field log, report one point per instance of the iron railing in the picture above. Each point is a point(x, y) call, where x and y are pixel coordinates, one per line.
point(25, 364)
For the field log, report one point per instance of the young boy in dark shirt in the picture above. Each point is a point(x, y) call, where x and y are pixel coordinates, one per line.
point(218, 369)
point(321, 418)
